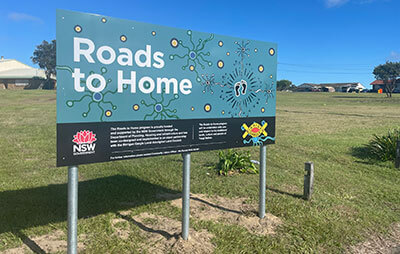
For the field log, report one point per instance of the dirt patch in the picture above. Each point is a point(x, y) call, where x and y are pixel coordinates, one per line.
point(121, 226)
point(50, 243)
point(163, 235)
point(232, 211)
point(389, 244)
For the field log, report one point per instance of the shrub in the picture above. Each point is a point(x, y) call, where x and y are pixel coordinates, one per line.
point(384, 147)
point(231, 161)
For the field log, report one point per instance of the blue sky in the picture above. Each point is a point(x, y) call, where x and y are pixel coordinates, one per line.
point(318, 40)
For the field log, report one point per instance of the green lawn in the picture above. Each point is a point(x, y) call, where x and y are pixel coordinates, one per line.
point(353, 197)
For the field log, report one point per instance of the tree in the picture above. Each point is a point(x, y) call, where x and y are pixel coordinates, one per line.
point(283, 85)
point(388, 73)
point(45, 56)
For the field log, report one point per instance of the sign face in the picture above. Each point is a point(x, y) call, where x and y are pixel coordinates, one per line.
point(127, 89)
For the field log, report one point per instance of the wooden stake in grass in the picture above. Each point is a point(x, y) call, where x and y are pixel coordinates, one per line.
point(397, 160)
point(308, 180)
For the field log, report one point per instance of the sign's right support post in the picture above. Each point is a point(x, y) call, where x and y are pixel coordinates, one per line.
point(185, 195)
point(263, 186)
point(72, 210)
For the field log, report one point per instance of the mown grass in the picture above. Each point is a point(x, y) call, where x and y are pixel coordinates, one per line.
point(353, 197)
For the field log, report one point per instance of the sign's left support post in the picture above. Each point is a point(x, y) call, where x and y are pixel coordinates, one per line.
point(72, 209)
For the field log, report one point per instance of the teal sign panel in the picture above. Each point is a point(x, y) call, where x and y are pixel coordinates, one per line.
point(207, 91)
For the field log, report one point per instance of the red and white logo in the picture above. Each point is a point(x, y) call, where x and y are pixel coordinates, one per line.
point(84, 142)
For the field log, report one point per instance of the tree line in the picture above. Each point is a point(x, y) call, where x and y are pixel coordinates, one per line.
point(45, 56)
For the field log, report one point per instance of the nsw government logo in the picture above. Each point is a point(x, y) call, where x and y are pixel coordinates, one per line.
point(84, 143)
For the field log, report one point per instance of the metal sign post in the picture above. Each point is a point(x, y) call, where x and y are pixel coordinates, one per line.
point(72, 209)
point(263, 158)
point(185, 195)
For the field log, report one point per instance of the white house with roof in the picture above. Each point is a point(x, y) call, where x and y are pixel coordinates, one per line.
point(17, 75)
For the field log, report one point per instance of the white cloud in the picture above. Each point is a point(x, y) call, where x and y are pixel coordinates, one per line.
point(335, 3)
point(394, 56)
point(17, 16)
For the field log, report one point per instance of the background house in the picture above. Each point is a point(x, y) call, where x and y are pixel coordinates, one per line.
point(331, 87)
point(378, 84)
point(17, 75)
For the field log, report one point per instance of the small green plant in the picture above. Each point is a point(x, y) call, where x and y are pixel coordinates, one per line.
point(231, 161)
point(384, 147)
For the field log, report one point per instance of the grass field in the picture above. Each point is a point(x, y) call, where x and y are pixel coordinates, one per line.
point(353, 197)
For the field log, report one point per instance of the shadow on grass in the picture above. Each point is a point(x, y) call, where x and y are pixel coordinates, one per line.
point(143, 227)
point(285, 193)
point(361, 152)
point(26, 208)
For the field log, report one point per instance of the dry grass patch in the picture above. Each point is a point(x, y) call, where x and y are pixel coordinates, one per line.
point(163, 235)
point(389, 244)
point(50, 243)
point(232, 211)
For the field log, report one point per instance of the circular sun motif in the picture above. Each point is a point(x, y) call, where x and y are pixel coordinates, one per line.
point(260, 68)
point(220, 43)
point(104, 20)
point(78, 28)
point(158, 107)
point(263, 110)
point(153, 33)
point(135, 107)
point(220, 64)
point(108, 113)
point(207, 107)
point(191, 67)
point(174, 42)
point(123, 38)
point(97, 97)
point(272, 51)
point(227, 53)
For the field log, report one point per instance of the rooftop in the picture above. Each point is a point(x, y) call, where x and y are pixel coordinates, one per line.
point(13, 69)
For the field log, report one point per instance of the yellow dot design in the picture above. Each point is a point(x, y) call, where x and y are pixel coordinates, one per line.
point(220, 43)
point(104, 20)
point(207, 107)
point(135, 107)
point(123, 38)
point(270, 76)
point(192, 108)
point(260, 68)
point(191, 67)
point(153, 33)
point(108, 113)
point(223, 112)
point(262, 110)
point(78, 28)
point(272, 51)
point(220, 64)
point(227, 53)
point(174, 43)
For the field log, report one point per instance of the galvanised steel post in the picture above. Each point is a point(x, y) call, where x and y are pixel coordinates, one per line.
point(185, 195)
point(263, 186)
point(72, 209)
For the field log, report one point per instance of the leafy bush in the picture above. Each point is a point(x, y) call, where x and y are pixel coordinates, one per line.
point(384, 147)
point(231, 161)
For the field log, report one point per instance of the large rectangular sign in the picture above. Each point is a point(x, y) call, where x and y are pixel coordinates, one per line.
point(127, 89)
